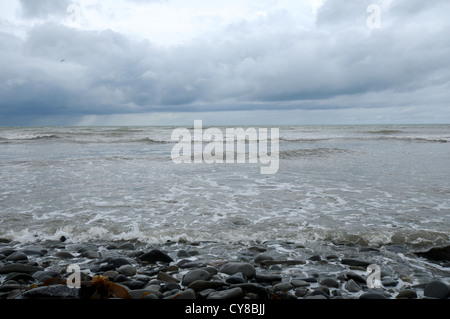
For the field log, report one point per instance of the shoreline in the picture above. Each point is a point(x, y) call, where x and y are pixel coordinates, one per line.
point(212, 270)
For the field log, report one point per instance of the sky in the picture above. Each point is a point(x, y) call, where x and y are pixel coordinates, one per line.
point(163, 62)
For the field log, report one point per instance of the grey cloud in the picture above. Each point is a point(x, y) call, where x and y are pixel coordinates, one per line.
point(44, 8)
point(248, 66)
point(348, 13)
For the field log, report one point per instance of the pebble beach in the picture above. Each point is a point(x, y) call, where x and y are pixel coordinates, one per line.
point(214, 270)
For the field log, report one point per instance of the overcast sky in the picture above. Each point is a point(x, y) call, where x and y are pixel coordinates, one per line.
point(147, 62)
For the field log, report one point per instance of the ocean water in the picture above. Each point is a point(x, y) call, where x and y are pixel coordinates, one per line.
point(359, 185)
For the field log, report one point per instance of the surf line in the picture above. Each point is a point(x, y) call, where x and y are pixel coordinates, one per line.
point(190, 148)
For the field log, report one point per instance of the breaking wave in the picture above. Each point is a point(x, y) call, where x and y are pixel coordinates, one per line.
point(27, 137)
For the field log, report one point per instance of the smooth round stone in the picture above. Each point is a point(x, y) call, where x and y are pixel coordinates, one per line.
point(156, 255)
point(407, 294)
point(149, 296)
point(330, 282)
point(7, 251)
point(267, 278)
point(204, 293)
point(45, 274)
point(354, 262)
point(315, 258)
point(352, 286)
point(91, 254)
point(143, 293)
point(407, 278)
point(237, 278)
point(171, 286)
point(301, 292)
point(211, 270)
point(232, 293)
point(154, 287)
point(9, 286)
point(19, 268)
point(51, 292)
point(320, 292)
point(136, 284)
point(17, 256)
point(18, 276)
point(357, 278)
point(232, 268)
point(309, 279)
point(194, 275)
point(166, 278)
point(372, 295)
point(117, 262)
point(200, 285)
point(127, 270)
point(64, 255)
point(283, 286)
point(299, 283)
point(436, 289)
point(121, 278)
point(261, 257)
point(187, 294)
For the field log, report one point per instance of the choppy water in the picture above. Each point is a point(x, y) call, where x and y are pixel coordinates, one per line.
point(364, 185)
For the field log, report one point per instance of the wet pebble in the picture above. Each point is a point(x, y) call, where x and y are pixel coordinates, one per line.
point(437, 289)
point(232, 293)
point(194, 275)
point(352, 286)
point(153, 274)
point(232, 268)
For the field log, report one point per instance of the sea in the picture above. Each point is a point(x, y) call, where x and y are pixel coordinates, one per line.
point(377, 192)
point(366, 185)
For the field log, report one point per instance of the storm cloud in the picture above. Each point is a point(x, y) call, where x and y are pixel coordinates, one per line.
point(271, 62)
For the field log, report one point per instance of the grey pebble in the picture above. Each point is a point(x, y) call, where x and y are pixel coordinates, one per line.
point(194, 275)
point(232, 293)
point(51, 292)
point(234, 267)
point(357, 278)
point(17, 256)
point(127, 270)
point(354, 262)
point(330, 282)
point(352, 286)
point(406, 294)
point(299, 283)
point(436, 289)
point(19, 268)
point(372, 295)
point(283, 286)
point(237, 278)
